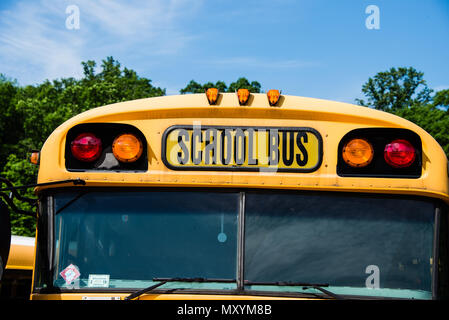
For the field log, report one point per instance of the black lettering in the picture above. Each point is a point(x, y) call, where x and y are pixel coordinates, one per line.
point(183, 157)
point(196, 135)
point(305, 157)
point(211, 146)
point(288, 160)
point(251, 160)
point(273, 143)
point(239, 146)
point(226, 155)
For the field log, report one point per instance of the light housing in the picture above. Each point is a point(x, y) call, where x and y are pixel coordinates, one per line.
point(35, 157)
point(358, 153)
point(107, 133)
point(273, 97)
point(86, 147)
point(212, 95)
point(127, 148)
point(399, 153)
point(379, 138)
point(243, 96)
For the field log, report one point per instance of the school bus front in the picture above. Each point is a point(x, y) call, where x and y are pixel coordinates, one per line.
point(181, 198)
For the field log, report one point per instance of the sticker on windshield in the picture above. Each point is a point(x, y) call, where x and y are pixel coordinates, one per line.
point(98, 281)
point(70, 274)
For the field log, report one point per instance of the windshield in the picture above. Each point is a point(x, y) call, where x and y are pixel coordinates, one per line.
point(125, 239)
point(358, 245)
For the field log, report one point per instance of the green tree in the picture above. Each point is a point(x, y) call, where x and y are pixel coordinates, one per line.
point(404, 92)
point(441, 99)
point(195, 87)
point(241, 83)
point(9, 121)
point(431, 119)
point(31, 113)
point(396, 89)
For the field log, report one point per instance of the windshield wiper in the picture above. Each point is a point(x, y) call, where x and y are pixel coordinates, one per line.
point(162, 281)
point(304, 286)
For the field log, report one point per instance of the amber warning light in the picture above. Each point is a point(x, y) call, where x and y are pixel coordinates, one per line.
point(127, 148)
point(273, 97)
point(243, 95)
point(212, 95)
point(35, 157)
point(358, 153)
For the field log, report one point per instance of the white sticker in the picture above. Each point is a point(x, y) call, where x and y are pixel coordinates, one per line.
point(98, 281)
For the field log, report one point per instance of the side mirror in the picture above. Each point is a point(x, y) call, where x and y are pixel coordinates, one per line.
point(5, 236)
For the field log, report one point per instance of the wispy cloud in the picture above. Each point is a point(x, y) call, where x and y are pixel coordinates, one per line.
point(31, 44)
point(35, 43)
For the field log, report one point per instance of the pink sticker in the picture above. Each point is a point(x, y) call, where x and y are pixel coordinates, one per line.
point(70, 274)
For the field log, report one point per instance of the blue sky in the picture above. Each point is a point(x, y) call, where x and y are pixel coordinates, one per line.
point(320, 49)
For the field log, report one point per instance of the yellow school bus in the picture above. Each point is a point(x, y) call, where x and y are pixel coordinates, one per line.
point(241, 196)
point(16, 280)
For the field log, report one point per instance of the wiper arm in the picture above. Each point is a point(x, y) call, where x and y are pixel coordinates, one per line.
point(326, 292)
point(304, 286)
point(163, 281)
point(145, 290)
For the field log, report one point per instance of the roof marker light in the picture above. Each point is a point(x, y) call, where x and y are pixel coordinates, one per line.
point(243, 95)
point(212, 95)
point(273, 97)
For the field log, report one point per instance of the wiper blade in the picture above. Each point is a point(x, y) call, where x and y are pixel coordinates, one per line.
point(141, 292)
point(163, 281)
point(304, 286)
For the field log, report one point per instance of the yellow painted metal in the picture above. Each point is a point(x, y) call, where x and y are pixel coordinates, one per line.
point(331, 119)
point(105, 296)
point(21, 253)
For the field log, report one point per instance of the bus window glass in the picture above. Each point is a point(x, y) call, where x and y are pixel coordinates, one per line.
point(125, 239)
point(359, 245)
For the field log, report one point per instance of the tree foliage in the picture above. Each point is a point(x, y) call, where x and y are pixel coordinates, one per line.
point(404, 92)
point(241, 83)
point(396, 89)
point(29, 115)
point(441, 99)
point(435, 121)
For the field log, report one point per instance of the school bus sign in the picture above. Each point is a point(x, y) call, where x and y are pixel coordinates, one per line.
point(241, 148)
